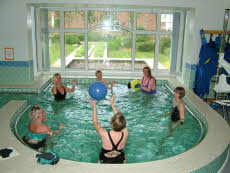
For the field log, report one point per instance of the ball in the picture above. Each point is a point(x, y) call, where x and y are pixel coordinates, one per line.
point(136, 84)
point(97, 90)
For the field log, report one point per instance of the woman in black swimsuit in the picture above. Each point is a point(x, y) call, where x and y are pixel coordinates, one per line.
point(178, 109)
point(58, 90)
point(114, 141)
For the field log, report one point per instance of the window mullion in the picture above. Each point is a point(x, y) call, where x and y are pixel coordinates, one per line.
point(86, 40)
point(62, 39)
point(157, 45)
point(134, 41)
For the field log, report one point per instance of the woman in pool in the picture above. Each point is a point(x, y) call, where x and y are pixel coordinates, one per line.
point(58, 90)
point(36, 138)
point(148, 82)
point(99, 78)
point(114, 141)
point(178, 109)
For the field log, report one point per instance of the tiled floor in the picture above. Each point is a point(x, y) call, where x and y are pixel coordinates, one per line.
point(226, 169)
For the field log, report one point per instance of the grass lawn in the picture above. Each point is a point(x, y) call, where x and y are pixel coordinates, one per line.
point(69, 49)
point(99, 49)
point(54, 53)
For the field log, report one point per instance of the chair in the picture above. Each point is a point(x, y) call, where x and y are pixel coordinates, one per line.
point(222, 87)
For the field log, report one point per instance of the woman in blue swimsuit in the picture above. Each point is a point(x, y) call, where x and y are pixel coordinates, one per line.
point(114, 141)
point(148, 82)
point(58, 90)
point(36, 138)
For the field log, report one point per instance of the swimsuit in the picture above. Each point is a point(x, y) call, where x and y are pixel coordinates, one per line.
point(58, 96)
point(175, 116)
point(147, 85)
point(38, 138)
point(118, 159)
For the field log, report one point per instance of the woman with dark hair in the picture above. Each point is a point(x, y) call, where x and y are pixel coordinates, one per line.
point(114, 141)
point(148, 82)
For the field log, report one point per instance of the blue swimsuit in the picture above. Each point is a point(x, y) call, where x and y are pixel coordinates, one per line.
point(147, 85)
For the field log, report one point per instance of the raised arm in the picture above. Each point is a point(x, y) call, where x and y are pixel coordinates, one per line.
point(96, 124)
point(73, 87)
point(113, 105)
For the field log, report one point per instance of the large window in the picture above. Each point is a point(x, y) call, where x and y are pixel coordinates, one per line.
point(106, 39)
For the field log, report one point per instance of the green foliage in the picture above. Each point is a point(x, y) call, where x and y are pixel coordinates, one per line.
point(72, 39)
point(143, 38)
point(141, 28)
point(165, 43)
point(81, 37)
point(127, 41)
point(114, 45)
point(95, 36)
point(146, 46)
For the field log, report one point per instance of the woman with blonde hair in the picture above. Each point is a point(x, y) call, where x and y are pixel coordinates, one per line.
point(114, 141)
point(36, 138)
point(59, 90)
point(98, 74)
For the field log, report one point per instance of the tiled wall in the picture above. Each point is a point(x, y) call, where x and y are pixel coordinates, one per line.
point(16, 72)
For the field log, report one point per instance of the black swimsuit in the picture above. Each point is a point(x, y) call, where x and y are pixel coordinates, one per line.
point(118, 159)
point(58, 96)
point(175, 114)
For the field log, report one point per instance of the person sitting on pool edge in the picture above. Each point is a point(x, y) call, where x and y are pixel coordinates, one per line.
point(114, 141)
point(98, 74)
point(178, 109)
point(148, 82)
point(36, 138)
point(58, 90)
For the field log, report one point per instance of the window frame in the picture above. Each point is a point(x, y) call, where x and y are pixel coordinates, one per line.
point(85, 30)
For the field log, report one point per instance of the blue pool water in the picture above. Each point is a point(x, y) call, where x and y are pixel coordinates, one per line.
point(148, 139)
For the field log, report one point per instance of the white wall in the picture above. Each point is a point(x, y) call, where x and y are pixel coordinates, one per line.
point(13, 28)
point(208, 14)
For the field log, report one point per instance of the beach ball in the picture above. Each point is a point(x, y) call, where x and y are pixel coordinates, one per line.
point(97, 90)
point(136, 84)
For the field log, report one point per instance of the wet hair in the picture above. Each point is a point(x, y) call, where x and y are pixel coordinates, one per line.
point(149, 71)
point(180, 91)
point(35, 112)
point(98, 71)
point(118, 122)
point(55, 76)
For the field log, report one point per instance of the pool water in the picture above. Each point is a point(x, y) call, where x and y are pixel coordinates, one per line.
point(149, 134)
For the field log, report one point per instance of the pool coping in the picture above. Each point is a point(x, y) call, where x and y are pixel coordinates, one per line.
point(212, 147)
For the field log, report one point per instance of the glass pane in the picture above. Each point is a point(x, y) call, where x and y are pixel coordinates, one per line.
point(50, 43)
point(164, 52)
point(166, 22)
point(146, 21)
point(98, 18)
point(110, 19)
point(145, 51)
point(110, 50)
point(49, 19)
point(74, 50)
point(123, 19)
point(74, 19)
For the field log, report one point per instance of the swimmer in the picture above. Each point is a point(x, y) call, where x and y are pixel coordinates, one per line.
point(114, 141)
point(148, 82)
point(38, 132)
point(58, 90)
point(178, 110)
point(99, 78)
